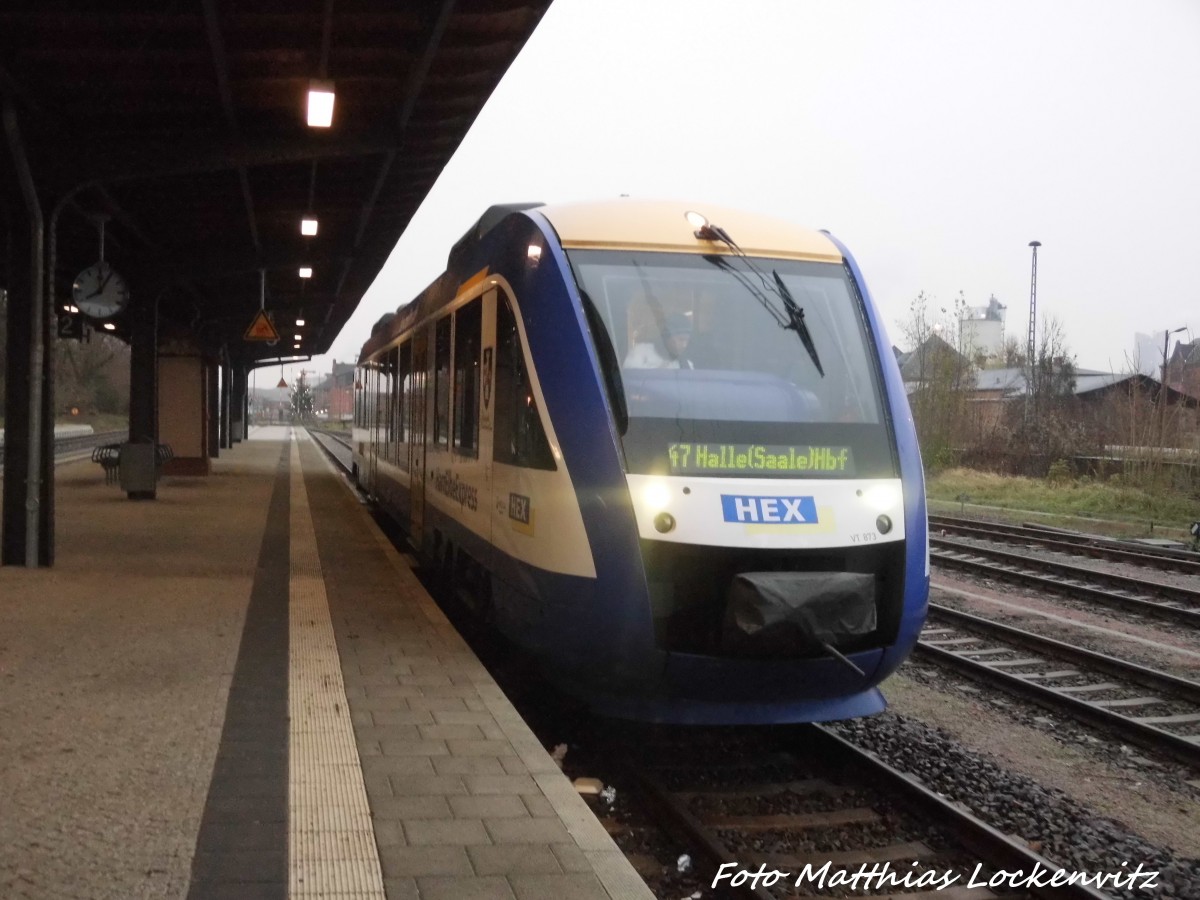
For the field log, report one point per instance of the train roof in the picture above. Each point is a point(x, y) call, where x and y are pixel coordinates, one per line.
point(626, 223)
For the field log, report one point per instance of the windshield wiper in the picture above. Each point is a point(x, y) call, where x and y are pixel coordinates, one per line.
point(796, 315)
point(724, 264)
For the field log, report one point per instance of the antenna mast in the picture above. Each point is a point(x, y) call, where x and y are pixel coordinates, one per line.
point(1031, 348)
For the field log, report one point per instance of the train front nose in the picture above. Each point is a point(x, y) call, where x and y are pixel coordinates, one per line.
point(773, 614)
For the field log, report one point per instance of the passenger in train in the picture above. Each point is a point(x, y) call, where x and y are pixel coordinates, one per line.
point(668, 351)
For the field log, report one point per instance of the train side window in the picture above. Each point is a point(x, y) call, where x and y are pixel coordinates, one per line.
point(403, 374)
point(358, 422)
point(369, 400)
point(468, 325)
point(441, 382)
point(389, 399)
point(519, 439)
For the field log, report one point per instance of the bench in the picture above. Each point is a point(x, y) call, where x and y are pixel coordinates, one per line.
point(109, 458)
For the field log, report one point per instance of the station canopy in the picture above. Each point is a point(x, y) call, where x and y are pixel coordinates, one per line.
point(183, 125)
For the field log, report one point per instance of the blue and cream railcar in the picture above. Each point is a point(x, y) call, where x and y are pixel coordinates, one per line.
point(667, 449)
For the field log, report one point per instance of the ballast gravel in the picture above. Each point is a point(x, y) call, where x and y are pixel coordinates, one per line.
point(1061, 829)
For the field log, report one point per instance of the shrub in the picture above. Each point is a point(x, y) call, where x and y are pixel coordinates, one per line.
point(1060, 472)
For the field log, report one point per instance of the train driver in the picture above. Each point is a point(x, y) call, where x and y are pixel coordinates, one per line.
point(668, 352)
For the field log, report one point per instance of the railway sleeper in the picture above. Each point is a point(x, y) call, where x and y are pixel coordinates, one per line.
point(1130, 701)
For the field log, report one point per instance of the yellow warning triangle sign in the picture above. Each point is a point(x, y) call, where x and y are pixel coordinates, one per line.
point(261, 329)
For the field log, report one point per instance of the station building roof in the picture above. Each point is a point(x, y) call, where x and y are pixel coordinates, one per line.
point(184, 125)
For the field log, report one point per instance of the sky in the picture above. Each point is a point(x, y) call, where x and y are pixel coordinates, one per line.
point(936, 138)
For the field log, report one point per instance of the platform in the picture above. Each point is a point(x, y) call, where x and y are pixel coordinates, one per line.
point(241, 690)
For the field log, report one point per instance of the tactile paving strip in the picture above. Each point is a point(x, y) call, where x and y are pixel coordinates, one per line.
point(331, 843)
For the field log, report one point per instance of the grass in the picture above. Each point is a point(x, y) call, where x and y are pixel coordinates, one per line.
point(1105, 507)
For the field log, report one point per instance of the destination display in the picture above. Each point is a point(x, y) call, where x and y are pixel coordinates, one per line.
point(754, 459)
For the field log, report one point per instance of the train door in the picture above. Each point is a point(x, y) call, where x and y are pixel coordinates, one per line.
point(521, 459)
point(371, 411)
point(417, 434)
point(487, 410)
point(382, 417)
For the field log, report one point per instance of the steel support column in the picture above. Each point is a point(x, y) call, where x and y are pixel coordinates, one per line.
point(143, 381)
point(27, 523)
point(212, 406)
point(226, 397)
point(143, 373)
point(237, 406)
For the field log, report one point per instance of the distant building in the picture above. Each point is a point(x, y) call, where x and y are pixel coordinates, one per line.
point(270, 406)
point(1110, 402)
point(1183, 368)
point(333, 398)
point(933, 360)
point(981, 330)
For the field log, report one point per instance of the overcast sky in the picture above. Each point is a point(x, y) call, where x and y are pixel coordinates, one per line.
point(937, 138)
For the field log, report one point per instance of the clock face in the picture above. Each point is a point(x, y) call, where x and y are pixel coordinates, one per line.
point(100, 292)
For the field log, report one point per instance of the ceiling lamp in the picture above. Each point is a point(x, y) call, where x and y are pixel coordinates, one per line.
point(299, 323)
point(308, 226)
point(305, 272)
point(320, 104)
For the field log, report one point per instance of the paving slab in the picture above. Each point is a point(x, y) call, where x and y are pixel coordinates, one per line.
point(240, 689)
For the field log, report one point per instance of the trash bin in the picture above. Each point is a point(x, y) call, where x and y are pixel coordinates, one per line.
point(139, 468)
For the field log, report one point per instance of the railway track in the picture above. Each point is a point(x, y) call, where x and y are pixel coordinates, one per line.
point(817, 801)
point(1161, 558)
point(1154, 710)
point(71, 447)
point(336, 446)
point(1150, 598)
point(820, 805)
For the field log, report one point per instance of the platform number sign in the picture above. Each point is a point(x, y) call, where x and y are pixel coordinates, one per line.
point(70, 327)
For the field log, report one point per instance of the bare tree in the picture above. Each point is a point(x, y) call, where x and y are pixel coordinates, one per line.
point(92, 376)
point(1049, 424)
point(940, 378)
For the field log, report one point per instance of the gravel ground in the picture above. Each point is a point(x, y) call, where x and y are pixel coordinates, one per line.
point(942, 724)
point(1055, 823)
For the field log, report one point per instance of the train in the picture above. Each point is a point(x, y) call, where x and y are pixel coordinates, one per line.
point(665, 450)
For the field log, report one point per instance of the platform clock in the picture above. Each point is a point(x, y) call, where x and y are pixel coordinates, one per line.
point(100, 292)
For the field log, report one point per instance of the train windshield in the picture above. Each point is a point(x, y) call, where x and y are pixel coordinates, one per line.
point(737, 366)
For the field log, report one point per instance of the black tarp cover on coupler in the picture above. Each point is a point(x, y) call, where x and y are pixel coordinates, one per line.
point(775, 613)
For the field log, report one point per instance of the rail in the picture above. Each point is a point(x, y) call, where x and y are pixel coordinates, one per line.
point(1130, 593)
point(75, 443)
point(1115, 707)
point(721, 823)
point(1067, 542)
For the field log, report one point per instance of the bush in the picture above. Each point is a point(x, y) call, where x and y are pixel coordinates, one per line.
point(1060, 472)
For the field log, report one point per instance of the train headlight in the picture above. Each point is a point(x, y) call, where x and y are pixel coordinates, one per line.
point(664, 522)
point(884, 524)
point(882, 497)
point(656, 495)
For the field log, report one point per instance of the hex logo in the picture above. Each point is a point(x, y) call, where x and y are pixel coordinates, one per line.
point(519, 508)
point(769, 510)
